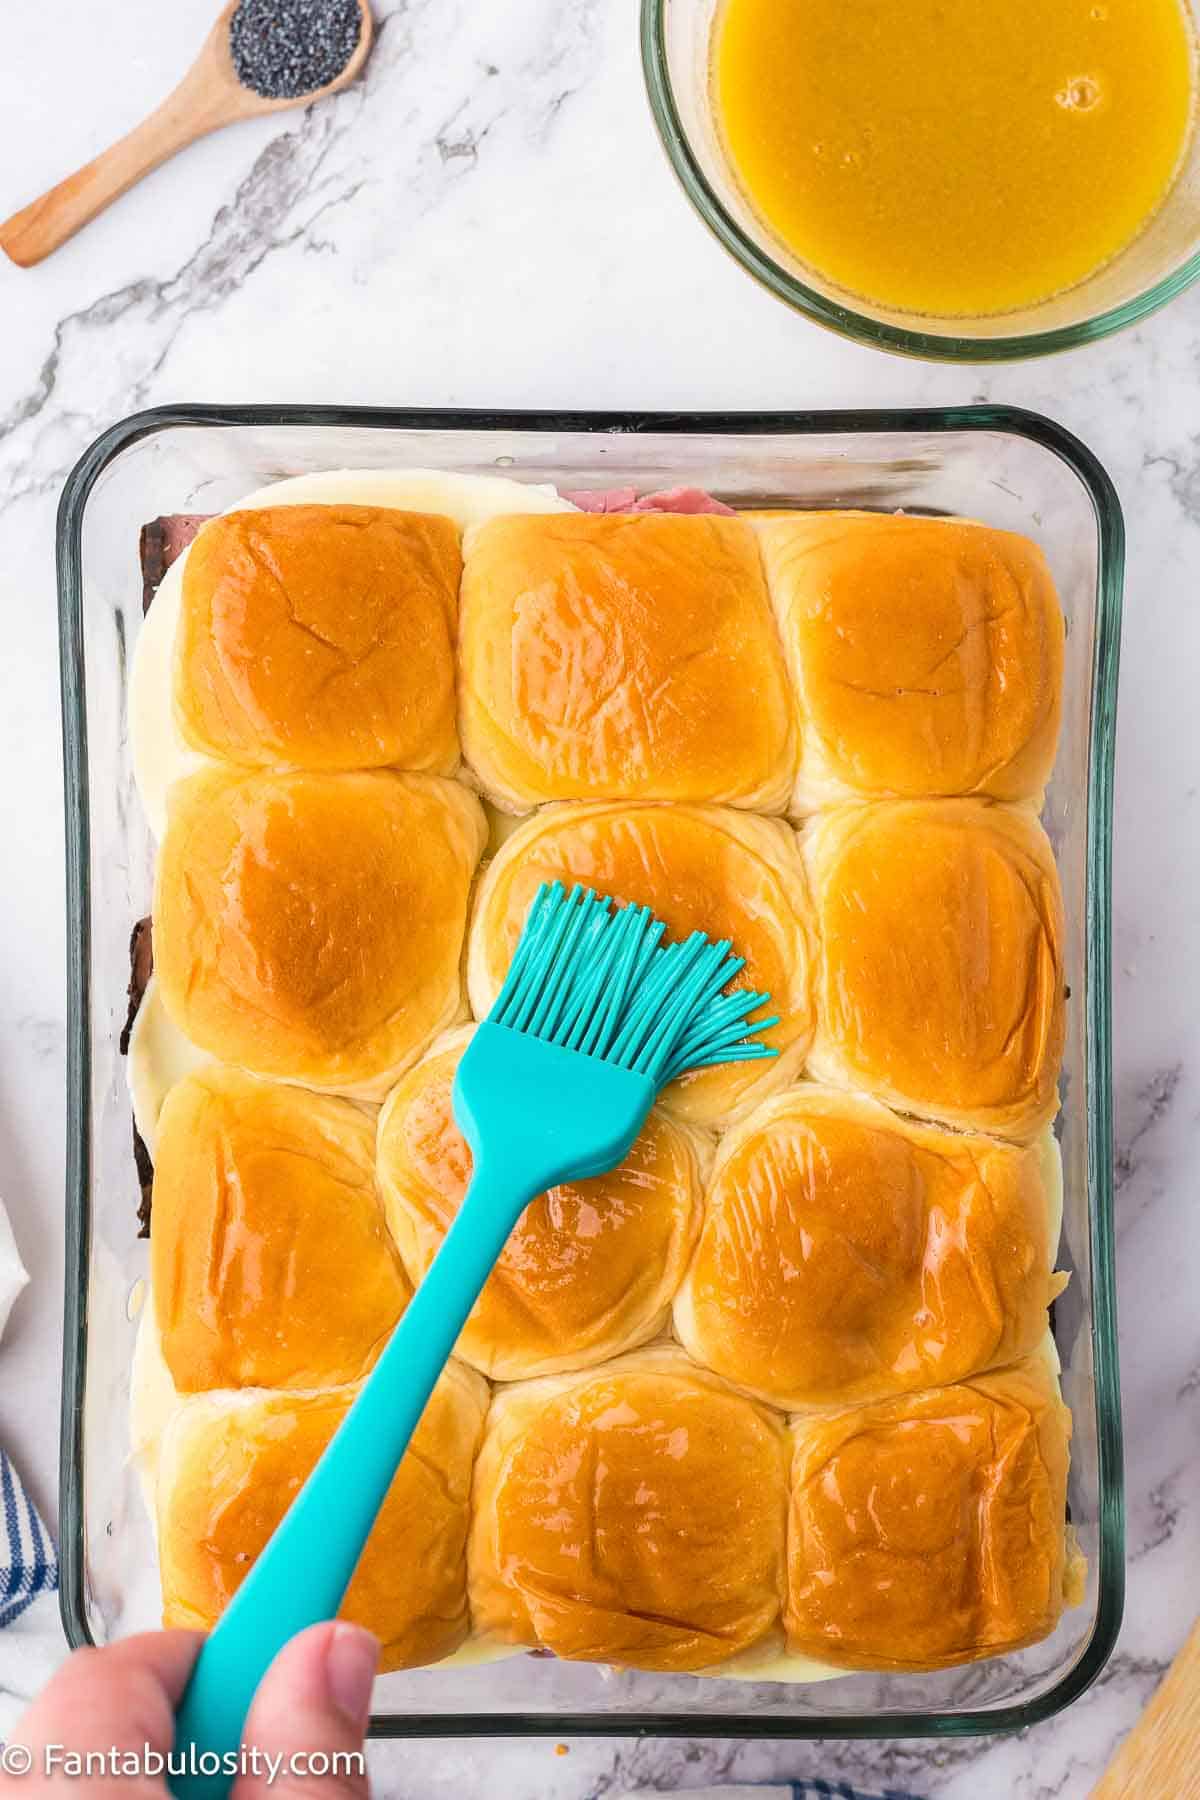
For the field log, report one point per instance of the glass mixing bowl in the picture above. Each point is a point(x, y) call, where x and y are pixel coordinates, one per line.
point(1161, 262)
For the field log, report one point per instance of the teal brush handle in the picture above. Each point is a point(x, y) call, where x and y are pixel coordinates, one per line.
point(302, 1575)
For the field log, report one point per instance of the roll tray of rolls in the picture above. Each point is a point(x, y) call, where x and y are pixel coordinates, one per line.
point(778, 1396)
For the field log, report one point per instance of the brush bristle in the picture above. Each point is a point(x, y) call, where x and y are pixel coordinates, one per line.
point(600, 981)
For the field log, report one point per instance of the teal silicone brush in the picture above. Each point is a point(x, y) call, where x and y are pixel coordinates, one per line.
point(595, 1016)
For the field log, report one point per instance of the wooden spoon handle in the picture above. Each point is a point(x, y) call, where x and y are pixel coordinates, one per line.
point(1161, 1755)
point(45, 223)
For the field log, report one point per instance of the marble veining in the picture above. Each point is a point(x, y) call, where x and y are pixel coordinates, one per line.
point(488, 220)
point(1150, 1105)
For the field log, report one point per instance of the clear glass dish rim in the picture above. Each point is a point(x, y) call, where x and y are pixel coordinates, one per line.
point(121, 437)
point(821, 308)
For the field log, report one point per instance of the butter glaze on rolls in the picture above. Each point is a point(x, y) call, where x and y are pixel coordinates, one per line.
point(632, 1515)
point(848, 1254)
point(941, 987)
point(926, 655)
point(606, 657)
point(271, 1261)
point(310, 926)
point(231, 1464)
point(841, 1267)
point(591, 1267)
point(930, 1530)
point(707, 868)
point(161, 755)
point(321, 637)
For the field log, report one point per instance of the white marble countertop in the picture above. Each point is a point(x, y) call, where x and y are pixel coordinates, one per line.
point(488, 220)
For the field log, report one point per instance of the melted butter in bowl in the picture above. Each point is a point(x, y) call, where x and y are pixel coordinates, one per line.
point(949, 158)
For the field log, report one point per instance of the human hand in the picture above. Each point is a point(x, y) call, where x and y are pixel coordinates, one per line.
point(315, 1698)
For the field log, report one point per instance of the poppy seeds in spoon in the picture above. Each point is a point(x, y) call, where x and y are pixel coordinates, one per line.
point(284, 48)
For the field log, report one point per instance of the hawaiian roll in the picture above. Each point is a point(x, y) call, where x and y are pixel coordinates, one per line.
point(310, 926)
point(726, 873)
point(622, 658)
point(941, 987)
point(321, 637)
point(161, 753)
point(848, 1254)
point(231, 1465)
point(591, 1267)
point(930, 1529)
point(926, 655)
point(633, 1515)
point(271, 1260)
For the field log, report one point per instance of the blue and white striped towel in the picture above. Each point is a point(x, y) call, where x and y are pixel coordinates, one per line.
point(28, 1559)
point(31, 1637)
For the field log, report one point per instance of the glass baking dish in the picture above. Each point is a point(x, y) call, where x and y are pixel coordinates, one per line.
point(1008, 468)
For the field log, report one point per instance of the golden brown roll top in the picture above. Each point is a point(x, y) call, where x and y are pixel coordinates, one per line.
point(941, 987)
point(590, 1268)
point(321, 637)
point(633, 1515)
point(931, 1530)
point(622, 658)
point(232, 1464)
point(699, 868)
point(271, 1261)
point(848, 1254)
point(926, 655)
point(310, 926)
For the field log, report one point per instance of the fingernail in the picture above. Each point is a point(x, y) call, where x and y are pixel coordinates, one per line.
point(350, 1664)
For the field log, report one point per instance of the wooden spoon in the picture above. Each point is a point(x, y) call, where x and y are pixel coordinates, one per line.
point(209, 96)
point(1160, 1759)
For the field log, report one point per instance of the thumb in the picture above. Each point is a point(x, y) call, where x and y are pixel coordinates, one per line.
point(309, 1718)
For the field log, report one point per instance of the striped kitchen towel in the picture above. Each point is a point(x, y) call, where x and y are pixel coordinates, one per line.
point(28, 1559)
point(31, 1638)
